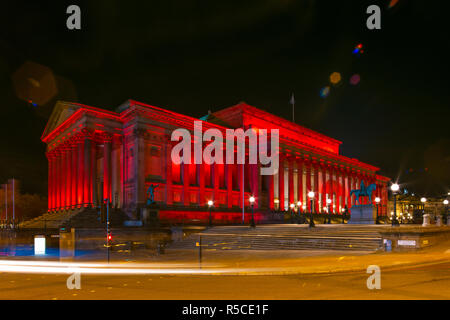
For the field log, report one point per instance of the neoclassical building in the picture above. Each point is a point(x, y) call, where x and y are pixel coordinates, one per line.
point(95, 154)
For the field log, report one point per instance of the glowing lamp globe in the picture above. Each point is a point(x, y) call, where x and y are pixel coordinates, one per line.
point(329, 201)
point(299, 204)
point(210, 203)
point(292, 206)
point(446, 202)
point(395, 187)
point(252, 199)
point(423, 200)
point(377, 200)
point(311, 194)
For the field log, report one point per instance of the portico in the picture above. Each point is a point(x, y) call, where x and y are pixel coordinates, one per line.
point(95, 154)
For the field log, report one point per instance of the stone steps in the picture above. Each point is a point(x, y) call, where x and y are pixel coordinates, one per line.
point(284, 237)
point(49, 220)
point(90, 218)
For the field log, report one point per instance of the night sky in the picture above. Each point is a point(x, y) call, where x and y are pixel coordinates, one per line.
point(195, 56)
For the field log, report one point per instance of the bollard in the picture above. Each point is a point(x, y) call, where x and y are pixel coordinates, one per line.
point(426, 220)
point(439, 221)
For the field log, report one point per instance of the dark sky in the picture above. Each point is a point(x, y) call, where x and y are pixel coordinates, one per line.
point(195, 56)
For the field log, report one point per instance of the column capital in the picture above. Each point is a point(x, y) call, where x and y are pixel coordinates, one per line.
point(140, 133)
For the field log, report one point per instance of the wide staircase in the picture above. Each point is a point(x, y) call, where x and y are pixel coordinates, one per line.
point(90, 218)
point(285, 237)
point(79, 218)
point(49, 220)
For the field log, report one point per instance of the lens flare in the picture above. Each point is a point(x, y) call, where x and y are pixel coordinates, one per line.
point(355, 79)
point(335, 78)
point(325, 91)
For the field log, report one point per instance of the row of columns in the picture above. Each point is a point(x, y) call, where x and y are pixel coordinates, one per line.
point(252, 174)
point(326, 181)
point(72, 172)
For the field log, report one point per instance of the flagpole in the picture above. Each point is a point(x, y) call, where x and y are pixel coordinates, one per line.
point(293, 107)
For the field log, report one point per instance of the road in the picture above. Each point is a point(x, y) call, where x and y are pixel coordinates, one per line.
point(430, 281)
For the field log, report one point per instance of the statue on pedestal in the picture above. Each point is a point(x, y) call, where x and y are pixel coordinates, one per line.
point(151, 194)
point(362, 214)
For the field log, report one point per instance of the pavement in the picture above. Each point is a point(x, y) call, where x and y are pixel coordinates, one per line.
point(238, 275)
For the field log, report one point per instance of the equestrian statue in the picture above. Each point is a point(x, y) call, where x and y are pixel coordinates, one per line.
point(363, 192)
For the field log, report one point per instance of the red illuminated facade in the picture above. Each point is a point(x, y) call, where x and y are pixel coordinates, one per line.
point(95, 154)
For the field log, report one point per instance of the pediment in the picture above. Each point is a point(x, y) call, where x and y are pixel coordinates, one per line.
point(61, 112)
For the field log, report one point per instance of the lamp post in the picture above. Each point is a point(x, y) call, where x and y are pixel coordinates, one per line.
point(329, 210)
point(446, 210)
point(252, 202)
point(299, 205)
point(377, 203)
point(210, 204)
point(343, 215)
point(394, 188)
point(311, 195)
point(423, 200)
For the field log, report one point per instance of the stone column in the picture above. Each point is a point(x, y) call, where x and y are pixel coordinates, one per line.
point(63, 177)
point(50, 185)
point(300, 184)
point(80, 172)
point(338, 191)
point(291, 181)
point(186, 194)
point(68, 170)
point(308, 185)
point(93, 180)
point(324, 188)
point(229, 168)
point(57, 180)
point(271, 186)
point(332, 190)
point(74, 169)
point(241, 185)
point(316, 188)
point(87, 172)
point(168, 163)
point(216, 181)
point(107, 168)
point(281, 183)
point(349, 188)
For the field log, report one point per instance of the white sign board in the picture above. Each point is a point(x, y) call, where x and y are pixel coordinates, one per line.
point(39, 245)
point(406, 243)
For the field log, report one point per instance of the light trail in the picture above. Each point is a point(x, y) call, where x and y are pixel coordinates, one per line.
point(49, 267)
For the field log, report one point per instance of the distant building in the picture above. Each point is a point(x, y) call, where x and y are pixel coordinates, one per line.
point(95, 154)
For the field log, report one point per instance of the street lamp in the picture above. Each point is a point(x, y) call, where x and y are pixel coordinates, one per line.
point(299, 206)
point(252, 202)
point(446, 210)
point(311, 195)
point(377, 201)
point(394, 188)
point(210, 204)
point(329, 210)
point(343, 215)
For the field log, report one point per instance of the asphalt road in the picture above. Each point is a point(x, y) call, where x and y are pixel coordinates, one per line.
point(420, 282)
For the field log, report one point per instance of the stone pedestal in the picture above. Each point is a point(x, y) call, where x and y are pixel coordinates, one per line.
point(362, 214)
point(439, 221)
point(426, 220)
